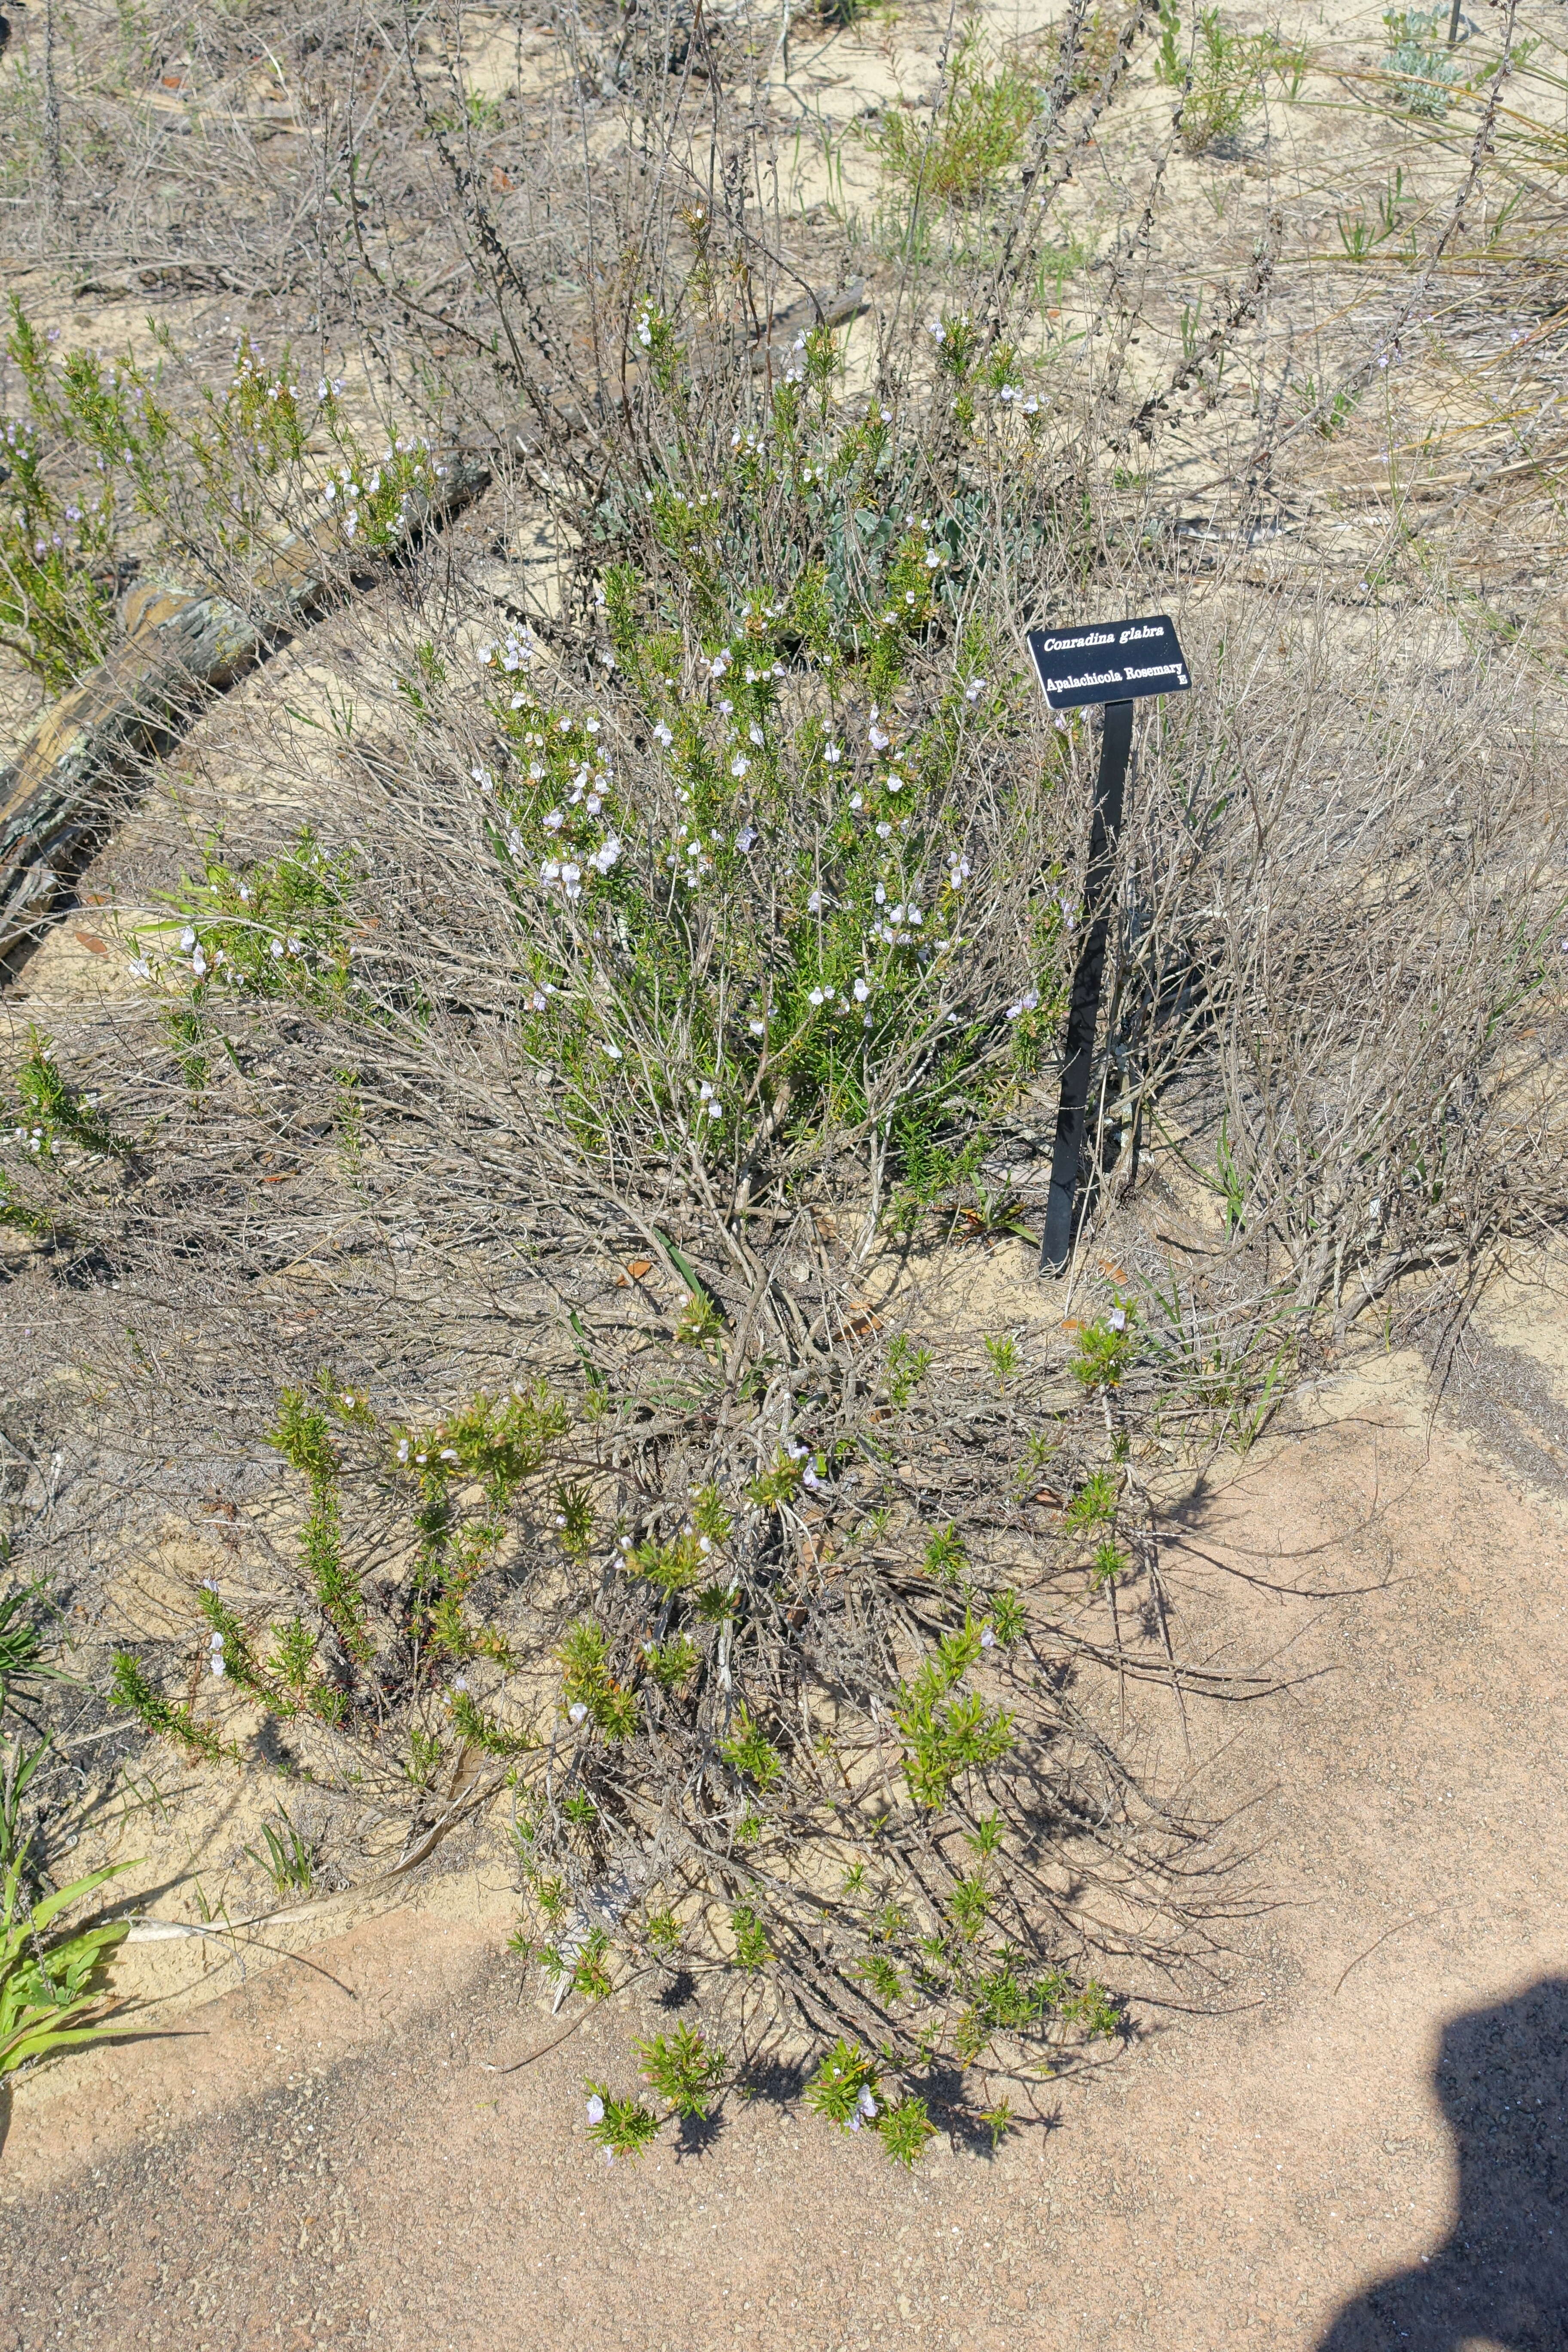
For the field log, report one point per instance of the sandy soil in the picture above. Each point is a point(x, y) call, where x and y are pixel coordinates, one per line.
point(383, 2140)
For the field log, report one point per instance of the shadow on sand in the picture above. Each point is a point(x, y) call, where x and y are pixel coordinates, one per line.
point(1501, 2277)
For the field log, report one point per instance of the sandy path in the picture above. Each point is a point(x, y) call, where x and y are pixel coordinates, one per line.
point(324, 2157)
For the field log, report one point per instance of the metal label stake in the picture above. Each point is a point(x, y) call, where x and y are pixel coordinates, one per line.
point(1114, 665)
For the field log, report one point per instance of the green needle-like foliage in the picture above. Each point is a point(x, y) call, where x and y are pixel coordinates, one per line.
point(620, 2126)
point(684, 2068)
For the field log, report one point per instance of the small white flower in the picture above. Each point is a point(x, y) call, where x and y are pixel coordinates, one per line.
point(814, 904)
point(988, 1639)
point(816, 996)
point(217, 1641)
point(867, 2104)
point(219, 1669)
point(739, 766)
point(745, 837)
point(576, 1712)
point(188, 939)
point(833, 754)
point(861, 991)
point(1118, 1318)
point(199, 964)
point(663, 735)
point(974, 689)
point(613, 1051)
point(877, 739)
point(757, 1028)
point(275, 948)
point(755, 733)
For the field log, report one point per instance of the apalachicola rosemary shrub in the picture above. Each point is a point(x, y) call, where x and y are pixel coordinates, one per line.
point(699, 935)
point(776, 921)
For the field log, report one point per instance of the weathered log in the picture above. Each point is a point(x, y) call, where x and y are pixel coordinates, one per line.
point(181, 647)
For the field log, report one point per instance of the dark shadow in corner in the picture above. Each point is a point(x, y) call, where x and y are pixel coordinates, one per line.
point(1501, 2276)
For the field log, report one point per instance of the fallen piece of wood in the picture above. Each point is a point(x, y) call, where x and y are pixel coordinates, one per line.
point(181, 646)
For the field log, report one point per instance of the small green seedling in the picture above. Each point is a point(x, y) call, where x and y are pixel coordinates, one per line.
point(684, 2068)
point(620, 2126)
